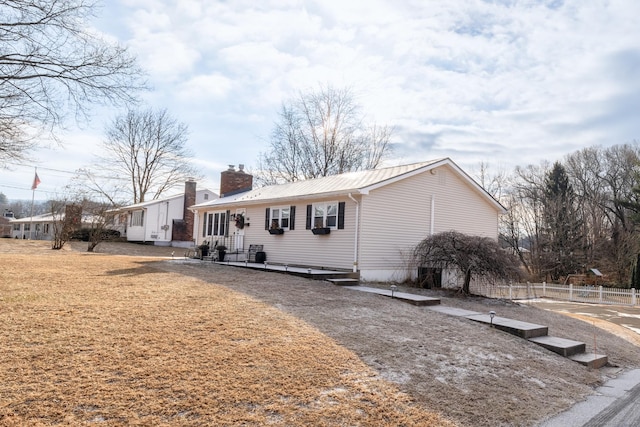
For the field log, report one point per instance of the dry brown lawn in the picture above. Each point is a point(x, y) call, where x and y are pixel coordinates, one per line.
point(112, 340)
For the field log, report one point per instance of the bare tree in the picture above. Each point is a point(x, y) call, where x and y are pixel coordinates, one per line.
point(522, 227)
point(52, 63)
point(97, 205)
point(148, 149)
point(472, 255)
point(67, 217)
point(321, 133)
point(494, 183)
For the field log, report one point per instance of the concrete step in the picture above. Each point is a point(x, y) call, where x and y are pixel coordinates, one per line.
point(538, 334)
point(235, 256)
point(452, 311)
point(344, 281)
point(515, 327)
point(591, 360)
point(406, 297)
point(562, 346)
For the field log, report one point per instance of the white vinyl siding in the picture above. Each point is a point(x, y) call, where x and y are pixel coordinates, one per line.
point(398, 216)
point(300, 246)
point(394, 217)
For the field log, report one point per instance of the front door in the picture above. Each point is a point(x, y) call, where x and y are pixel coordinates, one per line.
point(238, 233)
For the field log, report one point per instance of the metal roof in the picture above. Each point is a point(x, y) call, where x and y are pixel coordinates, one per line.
point(49, 217)
point(142, 205)
point(351, 182)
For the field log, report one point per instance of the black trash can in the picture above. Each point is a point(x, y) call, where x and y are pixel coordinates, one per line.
point(261, 257)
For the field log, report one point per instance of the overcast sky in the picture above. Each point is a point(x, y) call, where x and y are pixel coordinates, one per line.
point(505, 82)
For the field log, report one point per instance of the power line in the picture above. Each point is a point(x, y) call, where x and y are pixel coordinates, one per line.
point(38, 191)
point(42, 167)
point(118, 178)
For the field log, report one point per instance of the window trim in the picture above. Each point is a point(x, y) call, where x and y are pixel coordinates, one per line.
point(339, 215)
point(137, 218)
point(324, 206)
point(280, 218)
point(216, 224)
point(268, 218)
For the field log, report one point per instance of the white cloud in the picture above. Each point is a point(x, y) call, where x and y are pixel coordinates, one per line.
point(205, 88)
point(514, 81)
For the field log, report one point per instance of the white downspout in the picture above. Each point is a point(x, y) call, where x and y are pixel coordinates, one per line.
point(145, 221)
point(166, 222)
point(433, 214)
point(355, 245)
point(196, 226)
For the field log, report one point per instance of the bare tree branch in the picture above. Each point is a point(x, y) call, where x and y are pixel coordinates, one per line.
point(50, 64)
point(321, 133)
point(148, 148)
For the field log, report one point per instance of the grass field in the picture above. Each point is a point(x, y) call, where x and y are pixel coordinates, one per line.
point(108, 339)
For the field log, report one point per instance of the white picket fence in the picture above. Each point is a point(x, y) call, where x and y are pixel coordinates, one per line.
point(576, 293)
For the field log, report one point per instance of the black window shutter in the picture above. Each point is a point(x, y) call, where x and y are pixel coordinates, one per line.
point(226, 224)
point(292, 218)
point(204, 225)
point(341, 215)
point(309, 213)
point(267, 214)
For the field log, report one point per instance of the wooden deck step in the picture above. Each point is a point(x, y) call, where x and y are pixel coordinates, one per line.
point(561, 346)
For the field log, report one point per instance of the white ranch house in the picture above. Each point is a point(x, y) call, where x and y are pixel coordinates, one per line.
point(41, 227)
point(162, 222)
point(366, 222)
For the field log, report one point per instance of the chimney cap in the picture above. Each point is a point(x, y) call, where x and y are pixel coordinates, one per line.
point(232, 167)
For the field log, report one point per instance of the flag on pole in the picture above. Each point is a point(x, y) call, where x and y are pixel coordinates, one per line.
point(36, 181)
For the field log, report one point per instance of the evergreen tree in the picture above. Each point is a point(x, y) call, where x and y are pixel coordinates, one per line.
point(562, 241)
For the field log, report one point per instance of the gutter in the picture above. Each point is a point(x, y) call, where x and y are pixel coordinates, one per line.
point(247, 202)
point(355, 243)
point(196, 226)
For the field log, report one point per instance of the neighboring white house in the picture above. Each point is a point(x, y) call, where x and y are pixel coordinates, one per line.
point(41, 227)
point(366, 222)
point(163, 222)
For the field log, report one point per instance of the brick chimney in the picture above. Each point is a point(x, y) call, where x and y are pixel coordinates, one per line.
point(183, 228)
point(235, 181)
point(73, 216)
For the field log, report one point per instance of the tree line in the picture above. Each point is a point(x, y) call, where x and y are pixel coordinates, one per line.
point(573, 215)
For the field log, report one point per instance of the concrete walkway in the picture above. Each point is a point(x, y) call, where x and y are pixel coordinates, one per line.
point(614, 404)
point(537, 334)
point(403, 296)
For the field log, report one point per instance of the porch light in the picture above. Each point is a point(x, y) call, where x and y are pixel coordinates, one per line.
point(394, 288)
point(492, 315)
